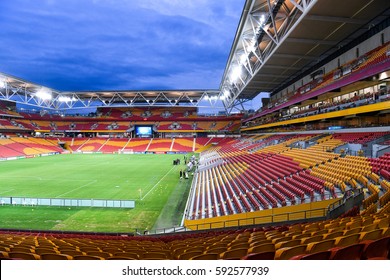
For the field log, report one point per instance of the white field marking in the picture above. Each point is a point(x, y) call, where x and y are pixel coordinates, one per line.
point(23, 177)
point(91, 182)
point(7, 191)
point(157, 183)
point(44, 179)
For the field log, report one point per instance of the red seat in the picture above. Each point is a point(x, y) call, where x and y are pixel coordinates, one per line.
point(352, 252)
point(260, 256)
point(377, 249)
point(324, 255)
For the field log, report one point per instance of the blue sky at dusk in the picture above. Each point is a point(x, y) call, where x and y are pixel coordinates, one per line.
point(118, 44)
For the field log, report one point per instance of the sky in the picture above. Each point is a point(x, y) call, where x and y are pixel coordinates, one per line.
point(73, 45)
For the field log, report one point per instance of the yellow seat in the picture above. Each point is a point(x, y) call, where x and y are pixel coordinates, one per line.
point(238, 246)
point(23, 256)
point(22, 249)
point(217, 250)
point(270, 247)
point(120, 258)
point(206, 257)
point(333, 235)
point(308, 240)
point(289, 252)
point(386, 231)
point(40, 250)
point(281, 239)
point(51, 256)
point(352, 231)
point(131, 255)
point(371, 235)
point(301, 235)
point(382, 222)
point(343, 241)
point(233, 254)
point(84, 257)
point(257, 243)
point(320, 246)
point(98, 254)
point(289, 243)
point(189, 255)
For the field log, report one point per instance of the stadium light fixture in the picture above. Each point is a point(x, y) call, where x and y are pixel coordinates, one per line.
point(243, 58)
point(262, 19)
point(44, 94)
point(66, 99)
point(236, 73)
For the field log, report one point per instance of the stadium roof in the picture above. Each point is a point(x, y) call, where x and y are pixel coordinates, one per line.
point(21, 91)
point(278, 40)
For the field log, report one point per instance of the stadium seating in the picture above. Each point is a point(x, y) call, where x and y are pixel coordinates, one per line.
point(250, 243)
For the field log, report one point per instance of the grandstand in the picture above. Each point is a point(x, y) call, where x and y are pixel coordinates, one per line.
point(307, 176)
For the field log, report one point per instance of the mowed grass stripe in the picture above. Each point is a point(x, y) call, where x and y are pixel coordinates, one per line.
point(85, 176)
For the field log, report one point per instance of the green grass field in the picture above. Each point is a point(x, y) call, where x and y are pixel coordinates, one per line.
point(149, 179)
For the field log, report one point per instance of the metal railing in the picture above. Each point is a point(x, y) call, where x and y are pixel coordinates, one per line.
point(270, 219)
point(299, 216)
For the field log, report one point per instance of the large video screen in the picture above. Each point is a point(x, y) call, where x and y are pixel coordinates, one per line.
point(143, 131)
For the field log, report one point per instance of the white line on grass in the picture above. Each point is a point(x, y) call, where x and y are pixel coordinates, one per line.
point(91, 182)
point(157, 183)
point(7, 191)
point(22, 177)
point(43, 179)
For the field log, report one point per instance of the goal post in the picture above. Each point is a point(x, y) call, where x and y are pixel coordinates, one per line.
point(126, 151)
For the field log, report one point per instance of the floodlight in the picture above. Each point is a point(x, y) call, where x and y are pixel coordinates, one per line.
point(262, 19)
point(44, 94)
point(243, 58)
point(236, 73)
point(66, 99)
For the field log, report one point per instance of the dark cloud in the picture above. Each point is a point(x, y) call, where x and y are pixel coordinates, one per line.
point(123, 44)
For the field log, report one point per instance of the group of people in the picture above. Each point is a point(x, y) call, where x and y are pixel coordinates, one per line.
point(183, 174)
point(189, 162)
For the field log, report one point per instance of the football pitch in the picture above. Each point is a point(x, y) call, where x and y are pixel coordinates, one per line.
point(151, 180)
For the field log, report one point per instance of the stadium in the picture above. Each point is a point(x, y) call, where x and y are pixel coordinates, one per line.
point(144, 175)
